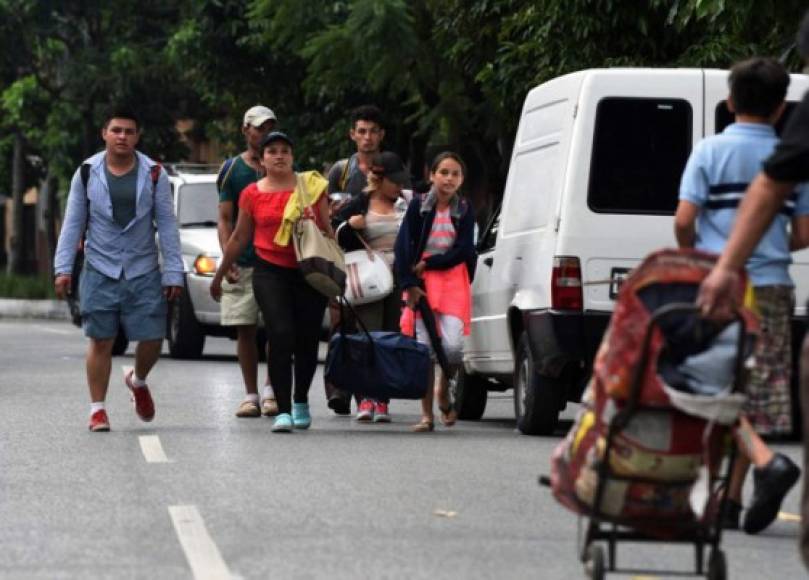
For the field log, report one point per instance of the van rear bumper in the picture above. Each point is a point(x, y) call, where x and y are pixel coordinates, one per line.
point(565, 341)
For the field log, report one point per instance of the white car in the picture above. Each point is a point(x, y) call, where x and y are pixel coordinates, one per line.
point(195, 315)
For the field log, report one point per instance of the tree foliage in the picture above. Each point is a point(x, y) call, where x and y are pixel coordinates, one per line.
point(446, 72)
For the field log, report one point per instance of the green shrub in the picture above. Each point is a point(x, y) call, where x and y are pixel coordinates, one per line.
point(26, 287)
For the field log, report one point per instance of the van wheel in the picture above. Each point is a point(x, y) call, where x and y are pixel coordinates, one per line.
point(536, 404)
point(186, 338)
point(120, 344)
point(469, 394)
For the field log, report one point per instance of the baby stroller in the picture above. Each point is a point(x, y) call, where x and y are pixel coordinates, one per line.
point(644, 457)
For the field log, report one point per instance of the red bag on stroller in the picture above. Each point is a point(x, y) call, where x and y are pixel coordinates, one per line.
point(646, 412)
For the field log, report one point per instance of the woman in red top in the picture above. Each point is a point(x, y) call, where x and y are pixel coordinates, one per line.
point(292, 309)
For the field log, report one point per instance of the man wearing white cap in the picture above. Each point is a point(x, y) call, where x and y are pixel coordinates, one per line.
point(238, 306)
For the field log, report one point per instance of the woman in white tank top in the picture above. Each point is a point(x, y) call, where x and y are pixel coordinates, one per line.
point(377, 216)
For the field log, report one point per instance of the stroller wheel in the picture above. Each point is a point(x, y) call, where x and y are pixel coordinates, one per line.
point(717, 565)
point(594, 564)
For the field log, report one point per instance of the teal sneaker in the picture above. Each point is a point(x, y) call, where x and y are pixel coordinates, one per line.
point(300, 415)
point(282, 423)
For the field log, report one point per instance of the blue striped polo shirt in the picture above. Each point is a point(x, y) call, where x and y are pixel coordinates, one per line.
point(716, 177)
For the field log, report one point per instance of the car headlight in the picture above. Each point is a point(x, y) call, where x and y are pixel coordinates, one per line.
point(205, 265)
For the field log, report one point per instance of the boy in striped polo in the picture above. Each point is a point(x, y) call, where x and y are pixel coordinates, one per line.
point(714, 181)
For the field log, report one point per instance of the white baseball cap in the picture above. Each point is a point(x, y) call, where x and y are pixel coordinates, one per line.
point(258, 115)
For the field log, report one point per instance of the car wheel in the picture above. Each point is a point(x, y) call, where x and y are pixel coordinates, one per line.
point(469, 395)
point(121, 343)
point(535, 396)
point(186, 338)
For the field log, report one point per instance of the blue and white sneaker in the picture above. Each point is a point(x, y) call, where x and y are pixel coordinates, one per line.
point(282, 423)
point(300, 415)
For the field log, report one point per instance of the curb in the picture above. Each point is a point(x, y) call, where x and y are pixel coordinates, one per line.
point(47, 309)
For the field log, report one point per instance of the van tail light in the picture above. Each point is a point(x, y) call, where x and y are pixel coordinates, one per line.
point(566, 291)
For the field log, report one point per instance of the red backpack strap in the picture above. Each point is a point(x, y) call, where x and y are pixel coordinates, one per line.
point(154, 171)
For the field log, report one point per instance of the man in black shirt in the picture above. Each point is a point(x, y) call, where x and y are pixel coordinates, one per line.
point(787, 166)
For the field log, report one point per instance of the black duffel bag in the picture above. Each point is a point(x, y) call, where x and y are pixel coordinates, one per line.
point(378, 365)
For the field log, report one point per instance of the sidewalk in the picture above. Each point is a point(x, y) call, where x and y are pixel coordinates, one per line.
point(49, 309)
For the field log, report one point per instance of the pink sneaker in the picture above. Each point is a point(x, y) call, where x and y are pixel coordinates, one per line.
point(144, 406)
point(366, 411)
point(99, 421)
point(381, 414)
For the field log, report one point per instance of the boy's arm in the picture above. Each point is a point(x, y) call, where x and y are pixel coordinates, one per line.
point(693, 194)
point(685, 220)
point(799, 238)
point(799, 235)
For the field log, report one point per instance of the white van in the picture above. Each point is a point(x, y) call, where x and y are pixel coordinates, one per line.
point(591, 190)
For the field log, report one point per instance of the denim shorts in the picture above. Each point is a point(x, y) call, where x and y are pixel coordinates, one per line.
point(138, 304)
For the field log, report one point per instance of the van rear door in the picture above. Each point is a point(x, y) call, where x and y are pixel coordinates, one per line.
point(637, 128)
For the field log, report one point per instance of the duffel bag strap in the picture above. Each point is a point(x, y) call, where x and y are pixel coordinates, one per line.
point(341, 300)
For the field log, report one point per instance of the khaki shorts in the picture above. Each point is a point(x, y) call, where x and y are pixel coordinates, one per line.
point(238, 306)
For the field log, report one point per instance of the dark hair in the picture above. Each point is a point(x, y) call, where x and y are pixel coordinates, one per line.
point(802, 40)
point(758, 86)
point(121, 112)
point(369, 113)
point(447, 155)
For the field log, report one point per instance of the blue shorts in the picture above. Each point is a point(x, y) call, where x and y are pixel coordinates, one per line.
point(138, 304)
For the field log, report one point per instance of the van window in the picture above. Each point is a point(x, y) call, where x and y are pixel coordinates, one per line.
point(724, 117)
point(533, 178)
point(640, 149)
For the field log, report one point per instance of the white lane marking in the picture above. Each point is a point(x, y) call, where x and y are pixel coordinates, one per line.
point(152, 449)
point(200, 550)
point(53, 330)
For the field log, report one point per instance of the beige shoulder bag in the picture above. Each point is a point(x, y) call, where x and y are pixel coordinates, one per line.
point(319, 257)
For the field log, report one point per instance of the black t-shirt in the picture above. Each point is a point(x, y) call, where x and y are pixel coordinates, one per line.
point(790, 161)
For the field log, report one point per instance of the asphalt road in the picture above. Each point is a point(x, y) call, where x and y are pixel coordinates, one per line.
point(201, 494)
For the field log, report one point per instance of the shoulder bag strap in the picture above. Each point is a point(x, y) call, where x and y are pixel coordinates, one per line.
point(371, 252)
point(344, 175)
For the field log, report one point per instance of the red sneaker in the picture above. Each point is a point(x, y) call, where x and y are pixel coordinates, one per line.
point(366, 411)
point(381, 414)
point(144, 406)
point(99, 421)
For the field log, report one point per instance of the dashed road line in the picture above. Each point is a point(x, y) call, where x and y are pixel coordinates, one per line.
point(61, 331)
point(788, 517)
point(200, 550)
point(152, 449)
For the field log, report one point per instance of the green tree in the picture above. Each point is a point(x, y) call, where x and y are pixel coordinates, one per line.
point(63, 63)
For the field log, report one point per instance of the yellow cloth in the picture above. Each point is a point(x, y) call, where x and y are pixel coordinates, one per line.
point(314, 186)
point(750, 299)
